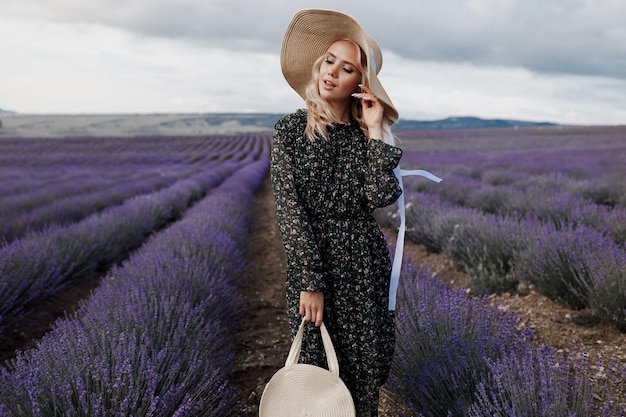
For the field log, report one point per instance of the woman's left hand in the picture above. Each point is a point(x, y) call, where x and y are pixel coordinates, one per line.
point(373, 110)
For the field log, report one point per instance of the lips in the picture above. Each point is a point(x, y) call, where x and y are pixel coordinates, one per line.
point(329, 84)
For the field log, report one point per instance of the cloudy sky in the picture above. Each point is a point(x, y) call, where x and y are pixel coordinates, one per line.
point(562, 61)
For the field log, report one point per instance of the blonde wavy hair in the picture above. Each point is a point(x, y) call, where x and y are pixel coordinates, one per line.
point(319, 112)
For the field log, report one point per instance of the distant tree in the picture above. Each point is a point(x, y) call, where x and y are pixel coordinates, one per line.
point(0, 124)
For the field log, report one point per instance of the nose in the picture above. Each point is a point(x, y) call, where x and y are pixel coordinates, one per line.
point(332, 70)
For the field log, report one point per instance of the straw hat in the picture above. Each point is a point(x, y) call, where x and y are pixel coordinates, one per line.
point(299, 389)
point(310, 34)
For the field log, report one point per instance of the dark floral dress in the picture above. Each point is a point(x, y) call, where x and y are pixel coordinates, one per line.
point(325, 191)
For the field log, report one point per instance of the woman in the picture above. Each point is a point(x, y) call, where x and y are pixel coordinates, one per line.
point(330, 169)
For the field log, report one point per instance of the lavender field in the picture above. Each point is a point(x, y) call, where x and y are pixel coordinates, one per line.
point(168, 219)
point(539, 207)
point(546, 207)
point(153, 338)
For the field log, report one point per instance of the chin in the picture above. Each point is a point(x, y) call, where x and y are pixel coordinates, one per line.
point(325, 96)
point(333, 96)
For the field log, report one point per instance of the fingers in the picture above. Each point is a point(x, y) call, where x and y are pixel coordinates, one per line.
point(312, 306)
point(319, 318)
point(316, 316)
point(369, 100)
point(366, 95)
point(373, 111)
point(364, 88)
point(310, 314)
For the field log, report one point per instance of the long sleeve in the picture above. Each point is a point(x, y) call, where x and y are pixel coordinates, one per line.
point(303, 258)
point(381, 186)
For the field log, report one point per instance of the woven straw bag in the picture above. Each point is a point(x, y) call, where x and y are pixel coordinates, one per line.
point(302, 390)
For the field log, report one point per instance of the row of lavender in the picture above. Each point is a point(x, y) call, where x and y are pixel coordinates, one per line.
point(546, 207)
point(41, 262)
point(94, 152)
point(152, 338)
point(460, 356)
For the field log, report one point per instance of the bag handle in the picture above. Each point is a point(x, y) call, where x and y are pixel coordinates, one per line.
point(331, 356)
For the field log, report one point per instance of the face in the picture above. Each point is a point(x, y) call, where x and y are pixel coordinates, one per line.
point(339, 75)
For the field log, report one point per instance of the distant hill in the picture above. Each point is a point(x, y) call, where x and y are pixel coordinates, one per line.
point(261, 119)
point(467, 122)
point(28, 125)
point(38, 125)
point(6, 112)
point(463, 123)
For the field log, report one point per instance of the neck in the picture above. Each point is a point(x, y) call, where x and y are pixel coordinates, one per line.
point(341, 111)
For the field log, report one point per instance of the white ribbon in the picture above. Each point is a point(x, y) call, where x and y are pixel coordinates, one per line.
point(397, 259)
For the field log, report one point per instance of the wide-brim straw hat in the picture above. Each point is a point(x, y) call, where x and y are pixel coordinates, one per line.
point(310, 34)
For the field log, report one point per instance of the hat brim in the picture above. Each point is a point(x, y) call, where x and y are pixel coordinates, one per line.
point(310, 34)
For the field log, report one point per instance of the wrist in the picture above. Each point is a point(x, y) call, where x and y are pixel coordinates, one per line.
point(376, 133)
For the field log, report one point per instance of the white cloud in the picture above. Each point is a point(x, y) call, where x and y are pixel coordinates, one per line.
point(60, 68)
point(585, 37)
point(427, 90)
point(582, 37)
point(497, 58)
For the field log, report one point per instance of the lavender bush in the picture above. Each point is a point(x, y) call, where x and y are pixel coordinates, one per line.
point(581, 267)
point(460, 356)
point(444, 342)
point(607, 295)
point(487, 247)
point(432, 222)
point(541, 382)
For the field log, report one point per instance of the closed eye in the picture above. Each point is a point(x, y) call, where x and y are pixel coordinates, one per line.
point(330, 61)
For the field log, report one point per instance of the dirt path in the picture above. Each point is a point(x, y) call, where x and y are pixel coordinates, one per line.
point(263, 340)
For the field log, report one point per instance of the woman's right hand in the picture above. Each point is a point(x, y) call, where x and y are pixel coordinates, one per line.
point(373, 112)
point(312, 306)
